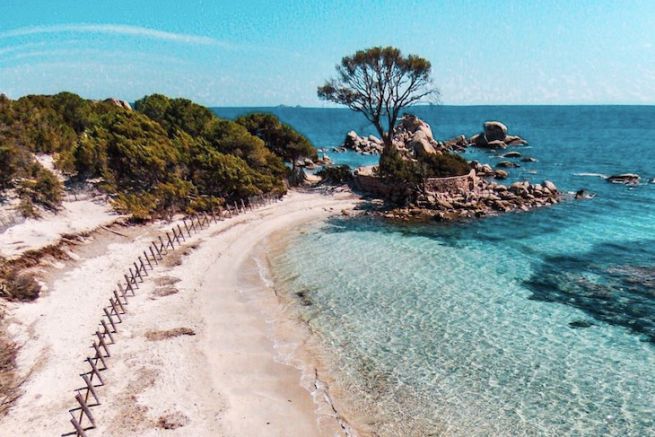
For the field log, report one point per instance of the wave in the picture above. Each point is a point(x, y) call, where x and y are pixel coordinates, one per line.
point(599, 175)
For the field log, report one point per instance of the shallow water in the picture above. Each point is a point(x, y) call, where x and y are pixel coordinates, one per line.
point(539, 323)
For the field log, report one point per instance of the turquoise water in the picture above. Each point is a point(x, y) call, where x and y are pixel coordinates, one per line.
point(539, 323)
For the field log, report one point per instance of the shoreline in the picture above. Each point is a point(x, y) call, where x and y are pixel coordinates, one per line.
point(224, 378)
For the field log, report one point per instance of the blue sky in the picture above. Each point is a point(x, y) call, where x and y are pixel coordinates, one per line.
point(248, 53)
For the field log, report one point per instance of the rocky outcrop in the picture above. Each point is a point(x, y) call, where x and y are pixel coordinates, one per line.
point(625, 178)
point(365, 145)
point(486, 198)
point(120, 103)
point(494, 136)
point(412, 136)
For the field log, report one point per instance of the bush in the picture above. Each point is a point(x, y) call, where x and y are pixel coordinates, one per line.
point(279, 137)
point(336, 175)
point(396, 169)
point(40, 187)
point(443, 166)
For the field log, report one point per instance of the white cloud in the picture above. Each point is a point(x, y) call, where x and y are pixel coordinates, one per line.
point(115, 29)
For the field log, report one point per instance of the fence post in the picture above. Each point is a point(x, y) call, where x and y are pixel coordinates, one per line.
point(101, 339)
point(107, 331)
point(78, 428)
point(169, 240)
point(179, 228)
point(111, 321)
point(113, 307)
point(147, 259)
point(86, 410)
point(162, 248)
point(152, 252)
point(94, 369)
point(90, 389)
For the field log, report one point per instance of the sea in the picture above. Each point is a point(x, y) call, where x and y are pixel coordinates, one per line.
point(537, 323)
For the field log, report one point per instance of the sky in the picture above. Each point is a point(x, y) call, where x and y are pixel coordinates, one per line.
point(266, 53)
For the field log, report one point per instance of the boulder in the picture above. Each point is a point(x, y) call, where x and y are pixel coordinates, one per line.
point(494, 130)
point(549, 186)
point(514, 140)
point(421, 145)
point(351, 141)
point(584, 194)
point(374, 139)
point(507, 164)
point(120, 103)
point(512, 155)
point(528, 159)
point(500, 174)
point(496, 144)
point(625, 178)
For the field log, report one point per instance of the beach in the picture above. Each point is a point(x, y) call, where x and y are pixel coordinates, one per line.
point(194, 354)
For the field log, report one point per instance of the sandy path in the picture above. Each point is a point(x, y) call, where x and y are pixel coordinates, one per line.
point(224, 380)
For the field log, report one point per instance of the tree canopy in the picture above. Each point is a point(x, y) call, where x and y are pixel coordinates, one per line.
point(279, 137)
point(379, 82)
point(166, 155)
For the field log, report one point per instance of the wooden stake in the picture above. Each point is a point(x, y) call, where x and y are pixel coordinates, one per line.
point(138, 271)
point(101, 339)
point(143, 266)
point(129, 285)
point(111, 320)
point(169, 240)
point(162, 248)
point(113, 307)
point(107, 330)
point(90, 389)
point(186, 227)
point(152, 252)
point(99, 356)
point(147, 259)
point(118, 301)
point(94, 369)
point(179, 228)
point(85, 408)
point(79, 431)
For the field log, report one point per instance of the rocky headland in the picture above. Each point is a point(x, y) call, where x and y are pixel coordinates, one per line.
point(475, 194)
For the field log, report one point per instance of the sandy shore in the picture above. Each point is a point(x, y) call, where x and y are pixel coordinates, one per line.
point(219, 375)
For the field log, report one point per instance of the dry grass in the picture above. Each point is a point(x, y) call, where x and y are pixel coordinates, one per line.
point(166, 280)
point(170, 333)
point(172, 420)
point(8, 378)
point(164, 291)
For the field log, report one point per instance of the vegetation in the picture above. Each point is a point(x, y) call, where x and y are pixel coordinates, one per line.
point(166, 155)
point(340, 174)
point(379, 82)
point(279, 137)
point(396, 168)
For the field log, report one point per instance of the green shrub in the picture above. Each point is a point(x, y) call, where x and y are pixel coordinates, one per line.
point(444, 165)
point(336, 175)
point(279, 137)
point(396, 169)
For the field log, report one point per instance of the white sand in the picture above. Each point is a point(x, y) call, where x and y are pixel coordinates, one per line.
point(73, 218)
point(225, 380)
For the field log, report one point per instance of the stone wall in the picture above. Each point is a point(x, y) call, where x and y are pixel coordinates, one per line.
point(457, 184)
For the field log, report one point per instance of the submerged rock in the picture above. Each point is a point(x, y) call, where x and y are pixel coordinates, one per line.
point(584, 194)
point(512, 155)
point(577, 324)
point(625, 178)
point(507, 164)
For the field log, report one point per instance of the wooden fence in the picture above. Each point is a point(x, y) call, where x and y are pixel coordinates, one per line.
point(86, 397)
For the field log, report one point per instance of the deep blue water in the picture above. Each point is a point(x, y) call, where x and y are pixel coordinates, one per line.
point(539, 323)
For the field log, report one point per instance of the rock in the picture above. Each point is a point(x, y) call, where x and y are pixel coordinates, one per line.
point(549, 186)
point(496, 144)
point(584, 194)
point(507, 164)
point(514, 140)
point(478, 140)
point(374, 139)
point(652, 181)
point(421, 145)
point(512, 155)
point(625, 178)
point(528, 159)
point(494, 130)
point(500, 174)
point(120, 103)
